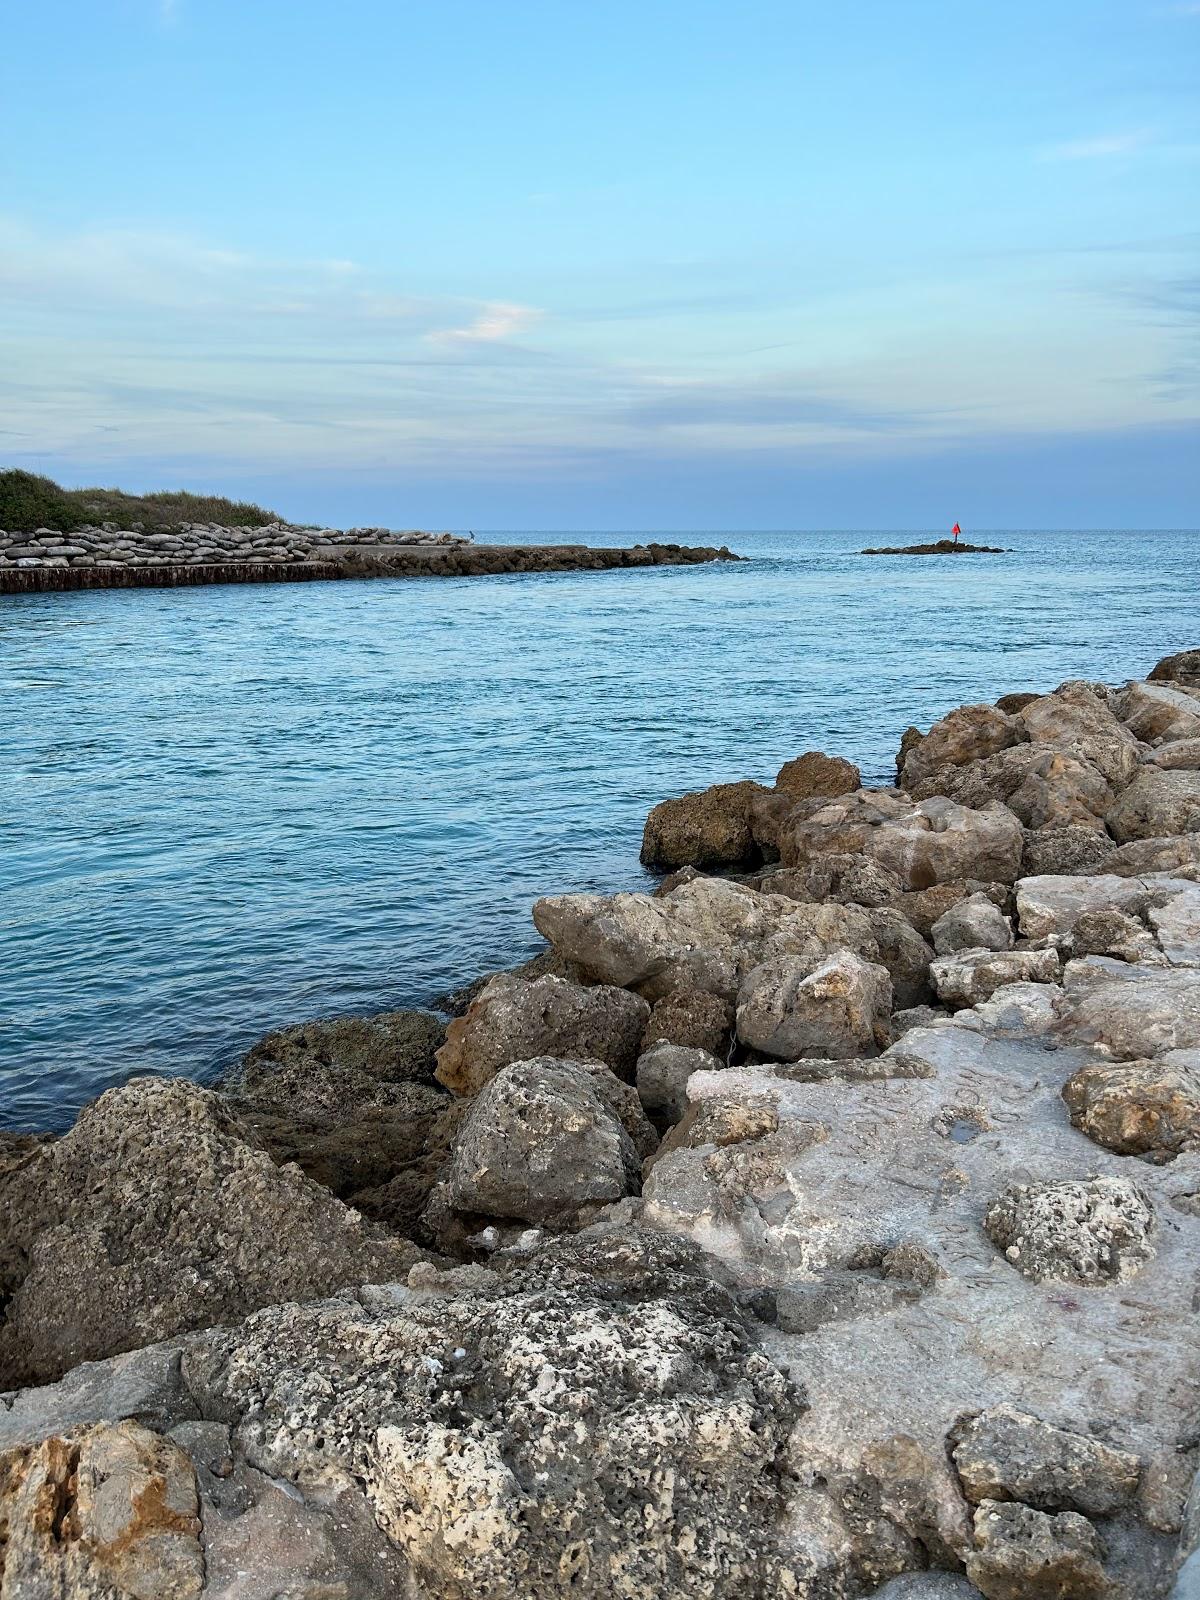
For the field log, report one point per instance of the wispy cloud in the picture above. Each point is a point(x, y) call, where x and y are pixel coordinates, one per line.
point(1100, 148)
point(497, 321)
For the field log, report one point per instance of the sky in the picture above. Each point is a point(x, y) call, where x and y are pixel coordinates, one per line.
point(666, 265)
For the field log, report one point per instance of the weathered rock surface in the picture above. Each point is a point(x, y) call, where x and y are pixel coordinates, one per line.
point(662, 1075)
point(972, 924)
point(1024, 1554)
point(969, 977)
point(923, 843)
point(1156, 804)
point(514, 1020)
point(706, 935)
point(1005, 1454)
point(463, 1416)
point(1138, 1107)
point(692, 1018)
point(969, 733)
point(815, 773)
point(1068, 847)
point(708, 829)
point(1158, 713)
point(1092, 1231)
point(155, 1215)
point(788, 1007)
point(1132, 1010)
point(542, 1144)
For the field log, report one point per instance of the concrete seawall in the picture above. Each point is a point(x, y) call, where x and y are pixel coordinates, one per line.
point(456, 561)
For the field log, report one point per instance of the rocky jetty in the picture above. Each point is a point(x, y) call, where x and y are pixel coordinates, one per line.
point(111, 557)
point(939, 547)
point(824, 1223)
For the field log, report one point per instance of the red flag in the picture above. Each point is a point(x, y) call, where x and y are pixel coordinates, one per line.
point(956, 530)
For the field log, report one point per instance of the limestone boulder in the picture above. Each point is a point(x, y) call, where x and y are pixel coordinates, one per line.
point(151, 1217)
point(705, 935)
point(1088, 1231)
point(1006, 1454)
point(923, 907)
point(542, 1144)
point(1023, 1554)
point(1178, 855)
point(922, 843)
point(789, 1008)
point(312, 1068)
point(1042, 786)
point(972, 924)
point(1132, 1011)
point(514, 1019)
point(846, 879)
point(708, 829)
point(1156, 804)
point(1181, 754)
point(815, 773)
point(1077, 721)
point(1069, 847)
point(461, 1413)
point(1138, 1108)
point(970, 977)
point(904, 953)
point(662, 1077)
point(1183, 668)
point(967, 734)
point(1157, 713)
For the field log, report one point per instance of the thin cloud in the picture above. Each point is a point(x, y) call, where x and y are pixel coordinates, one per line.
point(497, 321)
point(1098, 149)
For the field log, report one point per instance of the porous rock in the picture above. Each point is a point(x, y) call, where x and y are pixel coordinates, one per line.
point(1137, 1107)
point(1183, 668)
point(1067, 847)
point(1023, 1554)
point(313, 1066)
point(153, 1216)
point(540, 1144)
point(514, 1020)
point(1088, 1231)
point(815, 773)
point(599, 1423)
point(692, 1018)
point(904, 953)
point(1006, 1454)
point(965, 734)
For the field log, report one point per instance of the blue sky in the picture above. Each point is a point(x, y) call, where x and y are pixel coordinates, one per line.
point(654, 265)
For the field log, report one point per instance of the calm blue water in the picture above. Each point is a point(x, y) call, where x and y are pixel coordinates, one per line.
point(226, 809)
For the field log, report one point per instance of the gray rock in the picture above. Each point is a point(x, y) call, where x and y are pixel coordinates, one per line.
point(904, 953)
point(601, 1422)
point(143, 1386)
point(314, 1066)
point(970, 977)
point(152, 1217)
point(972, 924)
point(1157, 713)
point(1089, 1231)
point(1005, 1454)
point(691, 1018)
point(789, 1008)
point(1069, 847)
point(662, 1075)
point(1133, 1011)
point(540, 1145)
point(515, 1020)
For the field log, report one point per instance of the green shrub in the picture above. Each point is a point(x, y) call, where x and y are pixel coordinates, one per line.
point(28, 502)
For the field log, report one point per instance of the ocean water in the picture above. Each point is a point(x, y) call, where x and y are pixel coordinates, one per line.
point(227, 809)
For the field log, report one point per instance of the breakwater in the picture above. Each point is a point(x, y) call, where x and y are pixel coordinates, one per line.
point(457, 559)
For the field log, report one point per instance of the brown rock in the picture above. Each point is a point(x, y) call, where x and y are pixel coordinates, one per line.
point(1023, 1554)
point(789, 1008)
point(1005, 1454)
point(1156, 804)
point(1182, 668)
point(1067, 847)
point(966, 734)
point(710, 828)
point(816, 774)
point(924, 907)
point(1157, 713)
point(1137, 1107)
point(691, 1018)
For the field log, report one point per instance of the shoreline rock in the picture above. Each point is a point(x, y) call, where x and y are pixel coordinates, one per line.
point(902, 1304)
